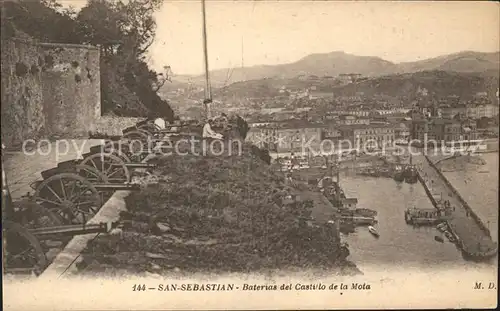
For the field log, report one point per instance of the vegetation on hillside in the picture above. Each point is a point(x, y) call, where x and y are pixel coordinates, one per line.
point(123, 29)
point(438, 83)
point(229, 213)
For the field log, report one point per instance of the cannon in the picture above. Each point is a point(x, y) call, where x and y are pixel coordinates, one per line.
point(75, 190)
point(69, 195)
point(26, 224)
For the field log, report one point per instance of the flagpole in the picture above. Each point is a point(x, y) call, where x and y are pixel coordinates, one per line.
point(208, 92)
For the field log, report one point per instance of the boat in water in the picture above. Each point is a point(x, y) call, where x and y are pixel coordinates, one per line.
point(439, 239)
point(375, 172)
point(410, 174)
point(450, 237)
point(442, 227)
point(466, 146)
point(365, 212)
point(398, 174)
point(369, 172)
point(373, 231)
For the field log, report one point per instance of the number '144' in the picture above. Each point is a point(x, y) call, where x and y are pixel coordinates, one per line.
point(138, 287)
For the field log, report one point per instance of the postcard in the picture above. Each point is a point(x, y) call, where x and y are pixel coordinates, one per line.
point(209, 154)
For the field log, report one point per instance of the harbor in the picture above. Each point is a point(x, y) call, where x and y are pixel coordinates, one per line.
point(415, 247)
point(464, 228)
point(420, 242)
point(474, 238)
point(203, 153)
point(345, 211)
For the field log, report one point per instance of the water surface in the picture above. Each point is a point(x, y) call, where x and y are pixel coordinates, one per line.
point(404, 246)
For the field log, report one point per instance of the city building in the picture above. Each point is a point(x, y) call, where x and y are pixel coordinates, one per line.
point(371, 136)
point(349, 77)
point(270, 110)
point(287, 136)
point(351, 119)
point(313, 94)
point(359, 112)
point(481, 95)
point(402, 132)
point(332, 133)
point(349, 203)
point(477, 111)
point(450, 112)
point(440, 129)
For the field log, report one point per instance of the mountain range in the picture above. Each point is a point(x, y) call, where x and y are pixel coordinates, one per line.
point(438, 83)
point(338, 62)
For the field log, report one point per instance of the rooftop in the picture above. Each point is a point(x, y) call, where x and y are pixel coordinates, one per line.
point(295, 124)
point(365, 126)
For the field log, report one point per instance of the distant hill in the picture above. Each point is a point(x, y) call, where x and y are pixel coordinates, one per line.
point(438, 83)
point(335, 63)
point(174, 85)
point(467, 61)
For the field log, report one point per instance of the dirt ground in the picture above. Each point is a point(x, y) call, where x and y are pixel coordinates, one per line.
point(218, 214)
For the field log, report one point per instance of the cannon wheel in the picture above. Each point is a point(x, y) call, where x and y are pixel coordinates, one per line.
point(147, 132)
point(136, 144)
point(135, 150)
point(110, 165)
point(150, 127)
point(69, 195)
point(94, 176)
point(22, 249)
point(91, 174)
point(122, 156)
point(140, 135)
point(120, 149)
point(33, 215)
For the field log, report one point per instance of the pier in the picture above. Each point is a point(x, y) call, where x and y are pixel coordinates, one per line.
point(358, 220)
point(473, 237)
point(422, 217)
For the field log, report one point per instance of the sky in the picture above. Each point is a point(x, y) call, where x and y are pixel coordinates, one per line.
point(274, 32)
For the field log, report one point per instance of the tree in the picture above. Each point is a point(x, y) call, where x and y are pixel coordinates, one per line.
point(123, 29)
point(138, 23)
point(99, 24)
point(42, 19)
point(162, 78)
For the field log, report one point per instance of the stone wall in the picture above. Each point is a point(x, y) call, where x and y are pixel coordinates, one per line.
point(48, 90)
point(112, 125)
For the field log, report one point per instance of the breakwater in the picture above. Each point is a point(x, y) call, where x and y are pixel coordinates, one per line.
point(474, 238)
point(427, 190)
point(464, 203)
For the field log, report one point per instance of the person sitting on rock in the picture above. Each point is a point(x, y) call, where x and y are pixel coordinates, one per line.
point(208, 132)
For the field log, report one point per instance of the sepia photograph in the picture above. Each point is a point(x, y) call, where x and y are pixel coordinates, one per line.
point(253, 154)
